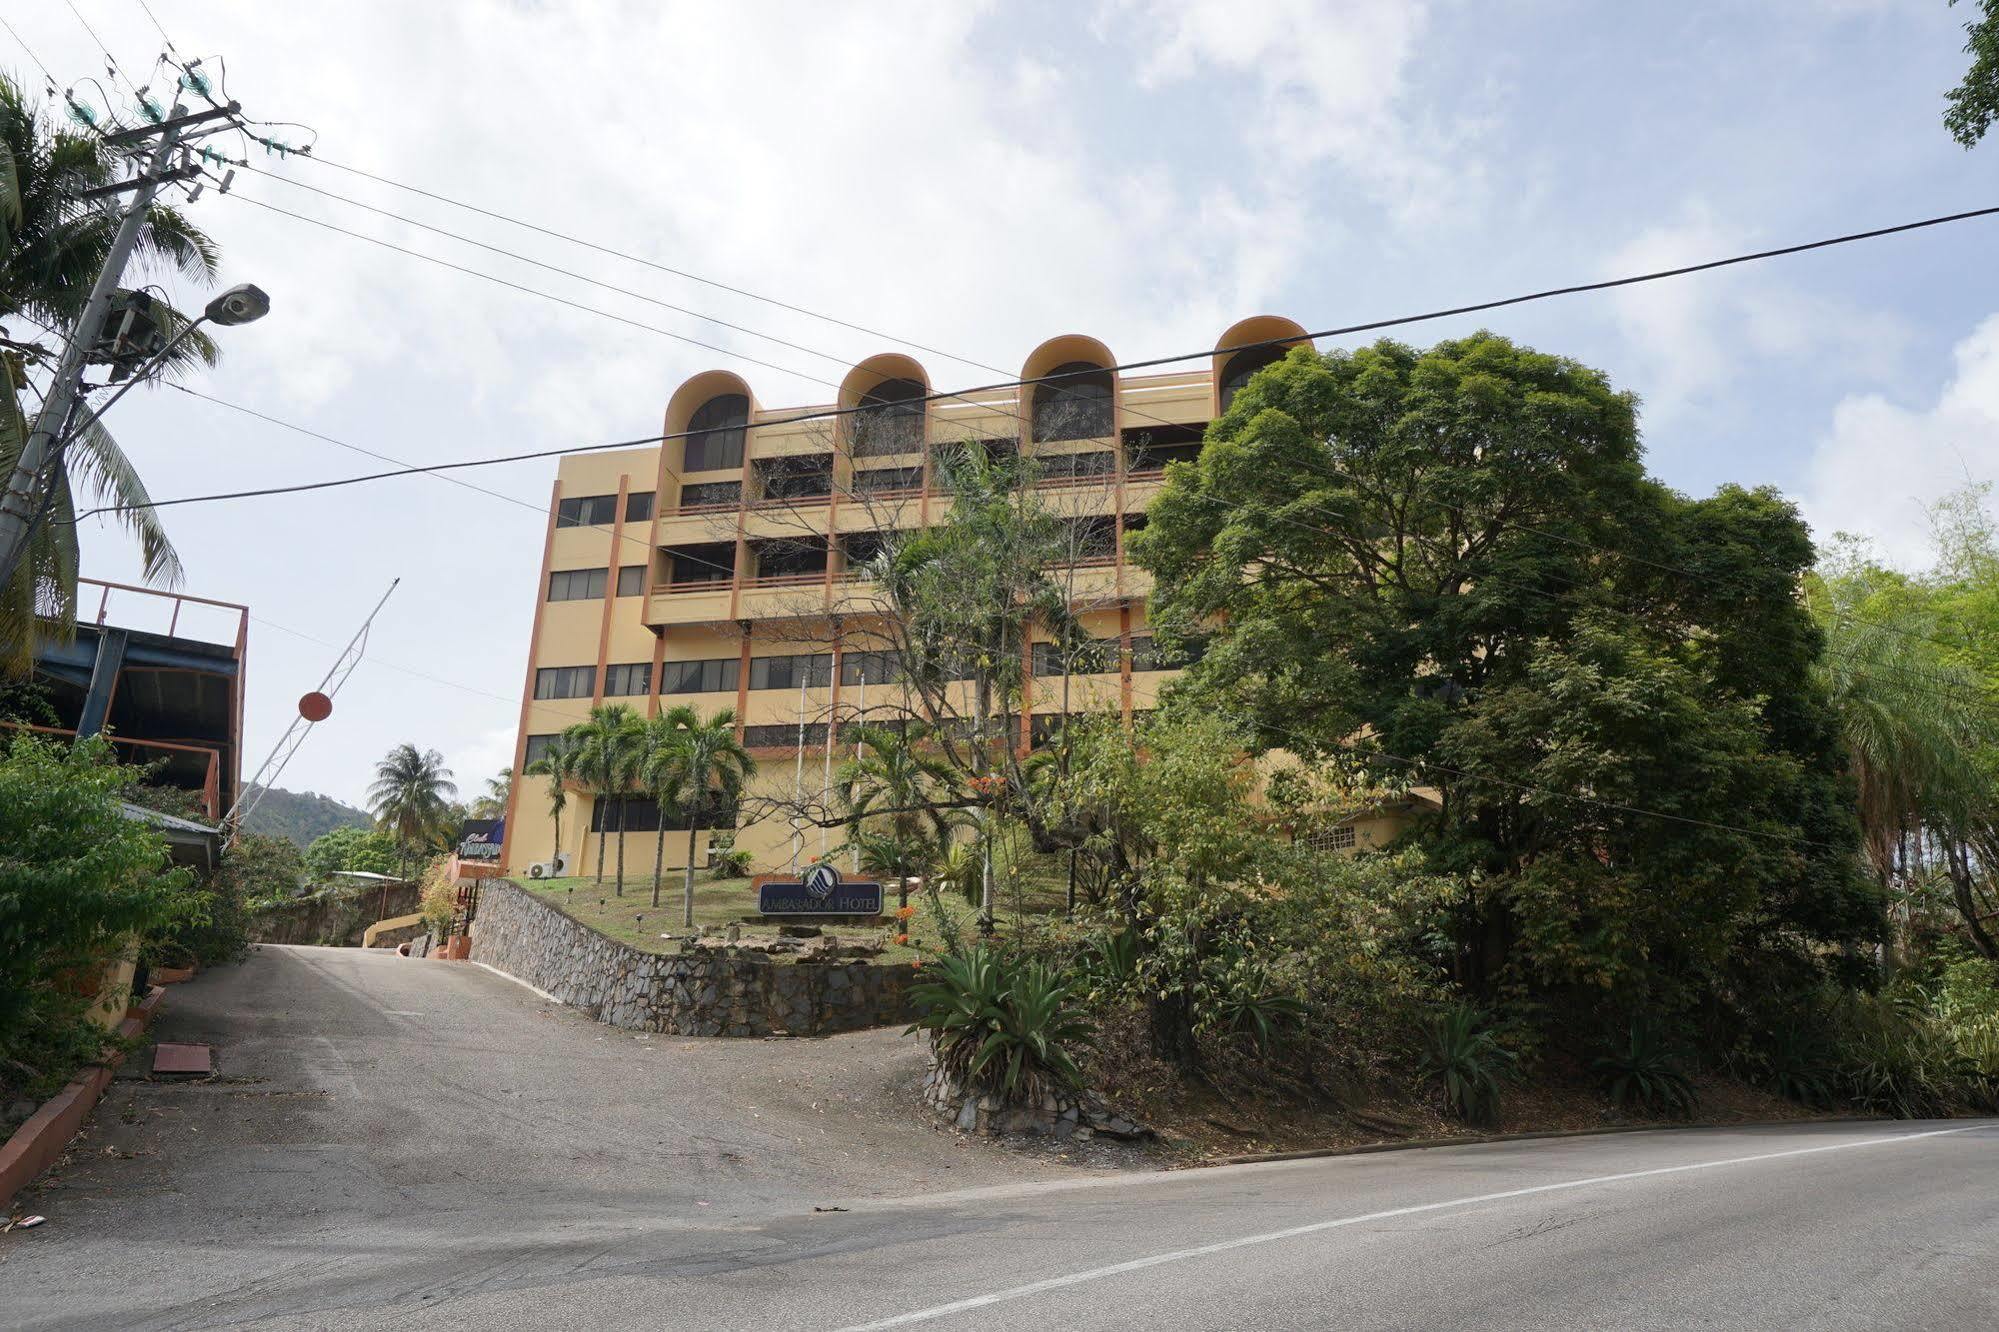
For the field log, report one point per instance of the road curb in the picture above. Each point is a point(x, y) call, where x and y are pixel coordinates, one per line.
point(36, 1145)
point(1474, 1139)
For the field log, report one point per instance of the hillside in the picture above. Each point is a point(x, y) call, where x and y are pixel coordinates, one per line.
point(303, 815)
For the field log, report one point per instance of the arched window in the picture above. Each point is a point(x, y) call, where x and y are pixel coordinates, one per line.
point(715, 434)
point(1074, 402)
point(890, 419)
point(1241, 367)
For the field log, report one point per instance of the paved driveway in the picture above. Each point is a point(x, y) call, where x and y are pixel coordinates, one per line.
point(425, 1145)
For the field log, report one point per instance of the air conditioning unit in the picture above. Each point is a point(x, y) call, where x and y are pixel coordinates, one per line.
point(550, 869)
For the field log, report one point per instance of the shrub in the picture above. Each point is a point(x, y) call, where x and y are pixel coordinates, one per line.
point(728, 863)
point(1110, 959)
point(1239, 995)
point(1896, 1058)
point(1001, 1025)
point(1797, 1064)
point(437, 898)
point(1643, 1073)
point(1468, 1062)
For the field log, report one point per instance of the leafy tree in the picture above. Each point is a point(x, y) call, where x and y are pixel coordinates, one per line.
point(368, 850)
point(256, 868)
point(76, 879)
point(697, 768)
point(1972, 106)
point(609, 747)
point(410, 799)
point(1397, 558)
point(492, 804)
point(896, 795)
point(558, 765)
point(53, 241)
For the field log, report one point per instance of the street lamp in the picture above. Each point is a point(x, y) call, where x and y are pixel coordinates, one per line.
point(244, 303)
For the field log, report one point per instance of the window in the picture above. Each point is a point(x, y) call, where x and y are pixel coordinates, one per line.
point(1331, 839)
point(1073, 402)
point(1091, 540)
point(638, 507)
point(715, 563)
point(1240, 368)
point(875, 668)
point(814, 671)
point(1147, 655)
point(790, 559)
point(631, 580)
point(715, 434)
point(622, 681)
point(890, 419)
point(715, 676)
point(576, 584)
point(861, 547)
point(712, 495)
point(783, 735)
point(1089, 657)
point(807, 476)
point(565, 681)
point(641, 814)
point(537, 749)
point(1070, 466)
point(887, 480)
point(1149, 449)
point(587, 511)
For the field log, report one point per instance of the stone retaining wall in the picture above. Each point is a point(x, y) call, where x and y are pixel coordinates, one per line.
point(696, 992)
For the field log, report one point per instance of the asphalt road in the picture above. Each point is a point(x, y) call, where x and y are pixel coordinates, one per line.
point(427, 1145)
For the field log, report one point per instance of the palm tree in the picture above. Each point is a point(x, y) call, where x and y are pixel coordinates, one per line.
point(411, 798)
point(662, 743)
point(699, 770)
point(52, 244)
point(890, 780)
point(558, 764)
point(608, 748)
point(493, 804)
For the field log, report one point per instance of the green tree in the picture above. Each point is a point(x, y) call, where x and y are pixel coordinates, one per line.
point(410, 799)
point(558, 765)
point(1972, 106)
point(368, 850)
point(609, 747)
point(899, 798)
point(698, 769)
point(492, 803)
point(53, 241)
point(1398, 558)
point(76, 879)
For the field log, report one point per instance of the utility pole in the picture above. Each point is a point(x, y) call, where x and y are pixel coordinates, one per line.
point(19, 501)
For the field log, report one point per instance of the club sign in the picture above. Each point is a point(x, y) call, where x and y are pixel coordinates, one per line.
point(819, 891)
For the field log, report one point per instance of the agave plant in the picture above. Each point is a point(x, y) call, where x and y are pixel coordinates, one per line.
point(1468, 1062)
point(1644, 1074)
point(1002, 1025)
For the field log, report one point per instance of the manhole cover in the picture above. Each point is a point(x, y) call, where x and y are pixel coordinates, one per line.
point(196, 1059)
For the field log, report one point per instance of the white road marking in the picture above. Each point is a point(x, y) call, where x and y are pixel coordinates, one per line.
point(1224, 1246)
point(516, 980)
point(402, 1012)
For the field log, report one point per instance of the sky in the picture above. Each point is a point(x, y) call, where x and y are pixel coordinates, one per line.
point(977, 178)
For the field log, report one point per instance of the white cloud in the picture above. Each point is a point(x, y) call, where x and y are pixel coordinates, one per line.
point(1696, 337)
point(1880, 465)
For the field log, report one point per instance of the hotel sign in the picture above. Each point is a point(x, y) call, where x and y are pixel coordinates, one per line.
point(820, 891)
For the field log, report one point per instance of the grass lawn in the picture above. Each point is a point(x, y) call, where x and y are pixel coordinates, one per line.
point(632, 918)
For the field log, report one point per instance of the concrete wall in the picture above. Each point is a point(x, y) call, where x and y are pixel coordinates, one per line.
point(700, 992)
point(336, 916)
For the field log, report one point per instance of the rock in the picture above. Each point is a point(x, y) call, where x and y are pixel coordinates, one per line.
point(798, 931)
point(968, 1116)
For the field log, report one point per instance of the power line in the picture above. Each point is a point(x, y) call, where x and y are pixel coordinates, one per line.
point(46, 74)
point(648, 263)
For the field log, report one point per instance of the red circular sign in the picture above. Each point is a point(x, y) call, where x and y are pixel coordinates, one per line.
point(315, 707)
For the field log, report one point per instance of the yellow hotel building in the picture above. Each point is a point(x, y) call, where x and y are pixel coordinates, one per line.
point(721, 569)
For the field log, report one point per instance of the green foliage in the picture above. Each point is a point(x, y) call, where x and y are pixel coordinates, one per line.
point(53, 240)
point(729, 863)
point(1467, 1062)
point(77, 881)
point(302, 817)
point(1895, 1058)
point(255, 869)
point(1972, 106)
point(1002, 1024)
point(411, 799)
point(1240, 996)
point(349, 848)
point(692, 765)
point(1643, 1073)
